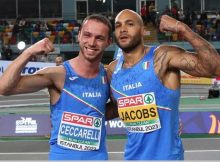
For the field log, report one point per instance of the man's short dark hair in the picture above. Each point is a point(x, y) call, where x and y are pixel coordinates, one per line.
point(99, 18)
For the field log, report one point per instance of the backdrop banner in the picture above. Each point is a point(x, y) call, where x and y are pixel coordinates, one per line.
point(193, 122)
point(25, 125)
point(39, 124)
point(30, 68)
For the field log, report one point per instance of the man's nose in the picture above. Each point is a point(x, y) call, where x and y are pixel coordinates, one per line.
point(92, 41)
point(123, 28)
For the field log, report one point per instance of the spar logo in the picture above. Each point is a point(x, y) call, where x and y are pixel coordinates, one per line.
point(138, 100)
point(149, 98)
point(78, 119)
point(97, 122)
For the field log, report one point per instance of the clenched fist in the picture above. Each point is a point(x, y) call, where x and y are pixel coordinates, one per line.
point(42, 47)
point(170, 24)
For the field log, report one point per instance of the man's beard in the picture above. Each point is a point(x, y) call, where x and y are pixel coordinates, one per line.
point(95, 58)
point(92, 59)
point(131, 46)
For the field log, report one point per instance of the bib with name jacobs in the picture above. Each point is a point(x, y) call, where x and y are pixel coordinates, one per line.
point(139, 113)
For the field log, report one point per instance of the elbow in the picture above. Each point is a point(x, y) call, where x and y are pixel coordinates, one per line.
point(4, 91)
point(215, 68)
point(217, 72)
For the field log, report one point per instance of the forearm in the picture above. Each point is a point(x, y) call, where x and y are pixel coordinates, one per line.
point(12, 74)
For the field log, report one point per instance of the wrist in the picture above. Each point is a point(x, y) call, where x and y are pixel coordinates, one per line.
point(176, 26)
point(183, 28)
point(28, 53)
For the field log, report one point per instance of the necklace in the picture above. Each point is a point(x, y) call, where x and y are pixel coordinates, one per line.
point(126, 65)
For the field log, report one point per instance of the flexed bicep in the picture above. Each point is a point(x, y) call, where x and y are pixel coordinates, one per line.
point(190, 63)
point(11, 80)
point(204, 62)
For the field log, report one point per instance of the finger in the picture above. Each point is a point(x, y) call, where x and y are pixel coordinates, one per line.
point(162, 27)
point(48, 45)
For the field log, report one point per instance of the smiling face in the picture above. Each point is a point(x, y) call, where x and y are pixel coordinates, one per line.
point(129, 30)
point(93, 39)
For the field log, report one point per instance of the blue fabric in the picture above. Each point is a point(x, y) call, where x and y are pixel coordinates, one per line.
point(79, 96)
point(161, 144)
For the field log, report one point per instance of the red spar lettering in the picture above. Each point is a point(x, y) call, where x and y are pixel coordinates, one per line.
point(78, 119)
point(130, 101)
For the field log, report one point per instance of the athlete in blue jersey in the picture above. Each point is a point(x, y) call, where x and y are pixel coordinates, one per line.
point(145, 84)
point(78, 92)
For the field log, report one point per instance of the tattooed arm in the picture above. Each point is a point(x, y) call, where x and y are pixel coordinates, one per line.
point(204, 62)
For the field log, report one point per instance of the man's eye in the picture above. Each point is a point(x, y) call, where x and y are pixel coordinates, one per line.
point(116, 26)
point(86, 35)
point(100, 39)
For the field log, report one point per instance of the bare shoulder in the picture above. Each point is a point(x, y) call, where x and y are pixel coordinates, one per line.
point(110, 68)
point(167, 55)
point(168, 49)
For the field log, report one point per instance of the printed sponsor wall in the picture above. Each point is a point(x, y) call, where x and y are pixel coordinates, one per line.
point(188, 79)
point(39, 124)
point(201, 122)
point(30, 68)
point(115, 127)
point(25, 125)
point(193, 122)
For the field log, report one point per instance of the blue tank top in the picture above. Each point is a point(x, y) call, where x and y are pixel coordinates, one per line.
point(78, 118)
point(139, 92)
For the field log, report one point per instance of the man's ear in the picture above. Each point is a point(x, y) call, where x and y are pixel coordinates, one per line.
point(109, 41)
point(79, 35)
point(143, 31)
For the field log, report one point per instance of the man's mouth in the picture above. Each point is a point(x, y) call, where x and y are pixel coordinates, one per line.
point(90, 49)
point(123, 37)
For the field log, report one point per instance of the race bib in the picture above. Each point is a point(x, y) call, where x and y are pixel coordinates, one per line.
point(139, 113)
point(79, 132)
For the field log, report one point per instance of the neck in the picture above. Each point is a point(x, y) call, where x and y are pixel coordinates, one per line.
point(134, 56)
point(84, 68)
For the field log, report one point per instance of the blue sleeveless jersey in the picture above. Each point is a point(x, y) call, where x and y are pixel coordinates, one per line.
point(160, 144)
point(78, 118)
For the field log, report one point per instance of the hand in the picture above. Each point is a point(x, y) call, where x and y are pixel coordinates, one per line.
point(42, 47)
point(168, 23)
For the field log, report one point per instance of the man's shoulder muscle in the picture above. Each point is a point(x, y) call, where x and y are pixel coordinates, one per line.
point(110, 68)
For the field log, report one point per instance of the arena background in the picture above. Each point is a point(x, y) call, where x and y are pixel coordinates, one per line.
point(24, 119)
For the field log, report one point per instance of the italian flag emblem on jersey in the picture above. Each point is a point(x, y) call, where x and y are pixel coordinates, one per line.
point(146, 65)
point(104, 79)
